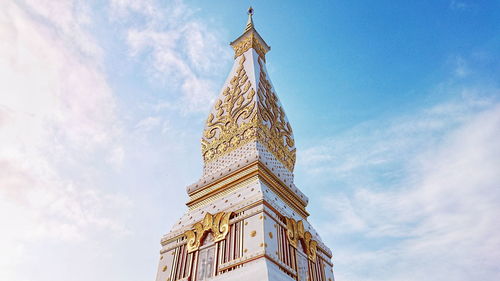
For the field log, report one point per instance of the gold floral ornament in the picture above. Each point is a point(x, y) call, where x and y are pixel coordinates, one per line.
point(233, 122)
point(240, 117)
point(217, 224)
point(275, 132)
point(248, 112)
point(295, 233)
point(250, 41)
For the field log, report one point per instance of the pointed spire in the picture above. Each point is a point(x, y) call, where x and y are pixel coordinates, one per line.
point(250, 20)
point(250, 39)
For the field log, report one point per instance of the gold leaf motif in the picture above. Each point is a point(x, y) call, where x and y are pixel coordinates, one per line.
point(235, 113)
point(250, 41)
point(192, 242)
point(207, 222)
point(313, 248)
point(295, 232)
point(300, 229)
point(218, 225)
point(241, 117)
point(276, 130)
point(291, 231)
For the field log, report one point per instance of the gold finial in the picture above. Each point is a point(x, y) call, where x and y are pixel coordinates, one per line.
point(250, 20)
point(250, 39)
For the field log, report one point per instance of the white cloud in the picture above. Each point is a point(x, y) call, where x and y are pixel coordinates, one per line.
point(382, 142)
point(57, 113)
point(438, 220)
point(459, 5)
point(461, 69)
point(179, 49)
point(116, 156)
point(148, 123)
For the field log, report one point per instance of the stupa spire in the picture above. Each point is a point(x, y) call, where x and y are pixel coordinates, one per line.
point(246, 219)
point(247, 122)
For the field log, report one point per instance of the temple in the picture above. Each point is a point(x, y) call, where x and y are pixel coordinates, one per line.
point(246, 219)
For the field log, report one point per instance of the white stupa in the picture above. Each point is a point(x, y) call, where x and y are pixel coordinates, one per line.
point(246, 219)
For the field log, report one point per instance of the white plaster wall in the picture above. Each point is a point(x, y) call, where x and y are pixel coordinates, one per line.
point(253, 239)
point(166, 259)
point(271, 236)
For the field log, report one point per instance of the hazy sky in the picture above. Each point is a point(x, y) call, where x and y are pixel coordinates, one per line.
point(395, 110)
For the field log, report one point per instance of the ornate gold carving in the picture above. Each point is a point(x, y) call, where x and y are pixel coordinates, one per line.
point(291, 232)
point(241, 117)
point(218, 225)
point(295, 233)
point(249, 41)
point(275, 132)
point(218, 193)
point(233, 123)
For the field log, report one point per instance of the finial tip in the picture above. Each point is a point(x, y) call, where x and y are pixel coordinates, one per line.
point(250, 21)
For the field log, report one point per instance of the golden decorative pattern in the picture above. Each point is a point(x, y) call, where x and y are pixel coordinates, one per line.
point(212, 197)
point(217, 224)
point(274, 131)
point(234, 122)
point(249, 41)
point(295, 233)
point(241, 117)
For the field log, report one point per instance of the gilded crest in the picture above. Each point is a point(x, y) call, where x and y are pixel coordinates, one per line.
point(295, 233)
point(217, 224)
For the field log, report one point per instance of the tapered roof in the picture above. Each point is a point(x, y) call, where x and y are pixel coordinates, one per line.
point(248, 109)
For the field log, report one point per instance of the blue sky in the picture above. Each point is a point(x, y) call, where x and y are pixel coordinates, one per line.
point(395, 110)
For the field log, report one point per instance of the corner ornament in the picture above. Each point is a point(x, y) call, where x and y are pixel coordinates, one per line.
point(217, 224)
point(295, 233)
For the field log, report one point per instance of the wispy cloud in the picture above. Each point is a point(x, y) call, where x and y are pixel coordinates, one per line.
point(415, 197)
point(380, 143)
point(460, 5)
point(57, 113)
point(179, 49)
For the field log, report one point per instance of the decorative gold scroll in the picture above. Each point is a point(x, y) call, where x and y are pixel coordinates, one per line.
point(275, 131)
point(295, 233)
point(250, 41)
point(218, 224)
point(233, 123)
point(241, 116)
